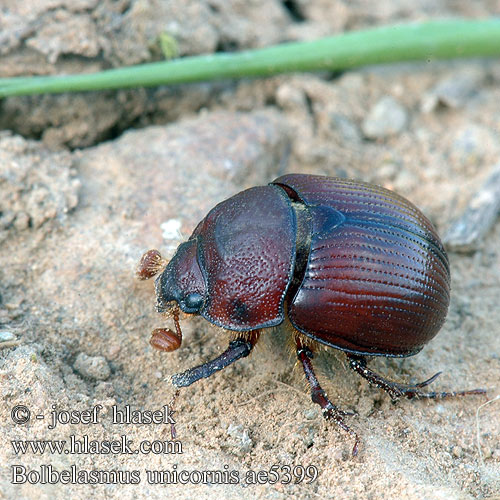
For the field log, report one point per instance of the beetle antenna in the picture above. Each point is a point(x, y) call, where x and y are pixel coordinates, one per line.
point(150, 265)
point(165, 339)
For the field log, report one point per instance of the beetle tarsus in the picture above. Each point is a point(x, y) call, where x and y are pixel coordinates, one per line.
point(318, 396)
point(173, 432)
point(397, 390)
point(239, 348)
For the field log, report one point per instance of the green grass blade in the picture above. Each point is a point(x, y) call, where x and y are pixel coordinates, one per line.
point(409, 42)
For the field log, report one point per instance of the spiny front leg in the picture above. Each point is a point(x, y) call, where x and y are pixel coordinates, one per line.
point(239, 348)
point(318, 395)
point(397, 390)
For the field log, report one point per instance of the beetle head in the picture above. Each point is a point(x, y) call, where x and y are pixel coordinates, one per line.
point(181, 284)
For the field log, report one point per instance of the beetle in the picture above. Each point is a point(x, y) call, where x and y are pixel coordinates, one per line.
point(348, 264)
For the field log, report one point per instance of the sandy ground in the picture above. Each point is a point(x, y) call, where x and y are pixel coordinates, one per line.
point(75, 322)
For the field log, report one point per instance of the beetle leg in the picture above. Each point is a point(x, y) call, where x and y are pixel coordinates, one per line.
point(318, 395)
point(239, 348)
point(396, 390)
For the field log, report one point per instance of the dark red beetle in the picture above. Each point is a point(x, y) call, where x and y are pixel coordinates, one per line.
point(351, 265)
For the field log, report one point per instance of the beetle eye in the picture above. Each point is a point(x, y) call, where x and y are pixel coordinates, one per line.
point(193, 301)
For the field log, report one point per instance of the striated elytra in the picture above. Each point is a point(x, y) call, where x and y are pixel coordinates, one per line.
point(347, 264)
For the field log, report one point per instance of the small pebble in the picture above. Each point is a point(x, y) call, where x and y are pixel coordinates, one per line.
point(386, 118)
point(6, 218)
point(236, 431)
point(94, 367)
point(453, 91)
point(171, 229)
point(290, 97)
point(311, 414)
point(336, 454)
point(113, 351)
point(457, 451)
point(345, 127)
point(104, 390)
point(467, 232)
point(471, 139)
point(22, 221)
point(6, 336)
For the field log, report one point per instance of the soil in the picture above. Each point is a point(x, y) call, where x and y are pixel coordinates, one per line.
point(89, 182)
